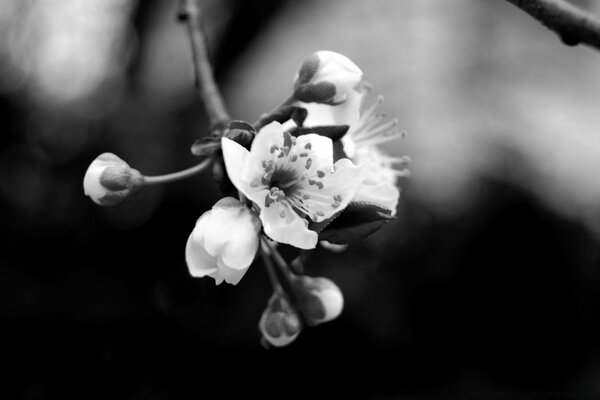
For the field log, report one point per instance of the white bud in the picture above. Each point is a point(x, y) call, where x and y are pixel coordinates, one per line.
point(326, 77)
point(224, 242)
point(109, 180)
point(280, 323)
point(318, 299)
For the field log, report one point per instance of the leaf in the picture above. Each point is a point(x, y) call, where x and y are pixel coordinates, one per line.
point(241, 132)
point(355, 223)
point(206, 146)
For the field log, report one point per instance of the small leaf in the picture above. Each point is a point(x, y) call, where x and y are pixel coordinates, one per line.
point(320, 92)
point(241, 132)
point(206, 146)
point(281, 114)
point(355, 223)
point(298, 115)
point(242, 125)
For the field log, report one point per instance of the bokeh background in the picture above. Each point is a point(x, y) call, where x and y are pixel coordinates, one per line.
point(486, 286)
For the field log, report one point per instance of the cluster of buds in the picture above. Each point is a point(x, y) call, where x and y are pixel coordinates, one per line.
point(309, 172)
point(312, 301)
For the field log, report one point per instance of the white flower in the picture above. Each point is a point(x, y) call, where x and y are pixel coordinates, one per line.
point(280, 323)
point(109, 180)
point(318, 299)
point(367, 131)
point(224, 242)
point(291, 179)
point(326, 77)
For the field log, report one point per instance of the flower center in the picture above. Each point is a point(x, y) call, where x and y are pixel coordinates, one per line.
point(284, 179)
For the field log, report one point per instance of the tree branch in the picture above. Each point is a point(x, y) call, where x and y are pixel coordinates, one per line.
point(190, 14)
point(571, 23)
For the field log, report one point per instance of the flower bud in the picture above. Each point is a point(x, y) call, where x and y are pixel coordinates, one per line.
point(109, 180)
point(326, 77)
point(318, 299)
point(224, 242)
point(280, 323)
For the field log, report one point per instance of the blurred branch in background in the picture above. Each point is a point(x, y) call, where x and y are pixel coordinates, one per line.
point(573, 25)
point(189, 13)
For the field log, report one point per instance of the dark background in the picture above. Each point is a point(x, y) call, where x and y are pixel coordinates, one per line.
point(486, 286)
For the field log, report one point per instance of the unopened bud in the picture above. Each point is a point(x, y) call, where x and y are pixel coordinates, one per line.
point(109, 180)
point(280, 323)
point(326, 77)
point(318, 299)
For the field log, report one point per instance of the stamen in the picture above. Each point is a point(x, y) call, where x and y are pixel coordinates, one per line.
point(288, 184)
point(296, 202)
point(380, 129)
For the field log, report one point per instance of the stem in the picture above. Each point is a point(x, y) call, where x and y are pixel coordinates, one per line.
point(265, 253)
point(571, 23)
point(190, 13)
point(279, 261)
point(175, 176)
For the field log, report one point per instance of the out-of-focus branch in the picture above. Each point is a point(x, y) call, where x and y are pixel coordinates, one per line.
point(571, 23)
point(190, 14)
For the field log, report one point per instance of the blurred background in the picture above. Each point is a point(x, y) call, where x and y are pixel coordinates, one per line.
point(486, 286)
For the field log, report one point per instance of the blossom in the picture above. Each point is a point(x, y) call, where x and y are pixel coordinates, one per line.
point(318, 299)
point(291, 179)
point(367, 130)
point(224, 242)
point(326, 77)
point(280, 323)
point(109, 180)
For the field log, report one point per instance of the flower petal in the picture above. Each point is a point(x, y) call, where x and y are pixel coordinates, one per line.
point(199, 262)
point(216, 275)
point(283, 225)
point(235, 157)
point(333, 192)
point(383, 194)
point(346, 113)
point(230, 275)
point(318, 148)
point(242, 242)
point(263, 149)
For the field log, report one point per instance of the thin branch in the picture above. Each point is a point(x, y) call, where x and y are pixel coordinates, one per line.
point(190, 14)
point(175, 176)
point(265, 253)
point(571, 23)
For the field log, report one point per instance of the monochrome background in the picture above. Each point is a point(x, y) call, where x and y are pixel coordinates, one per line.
point(486, 286)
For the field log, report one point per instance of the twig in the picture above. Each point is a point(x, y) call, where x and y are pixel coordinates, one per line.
point(571, 23)
point(266, 253)
point(190, 14)
point(175, 176)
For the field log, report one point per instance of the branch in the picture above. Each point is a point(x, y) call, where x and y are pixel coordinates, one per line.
point(190, 14)
point(571, 23)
